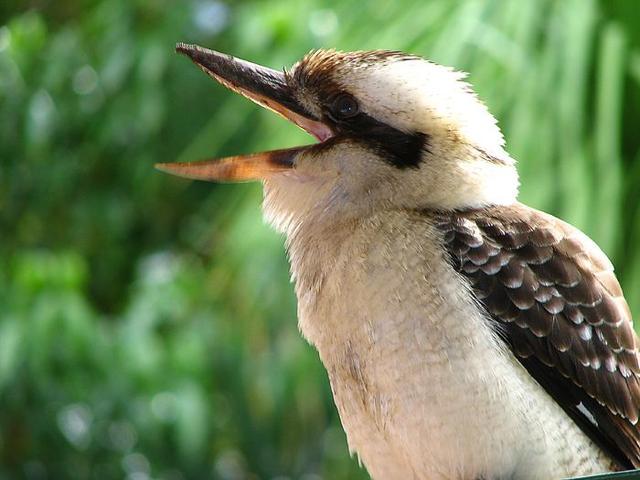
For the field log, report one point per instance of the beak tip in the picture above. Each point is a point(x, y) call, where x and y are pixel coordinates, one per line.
point(186, 48)
point(164, 167)
point(203, 57)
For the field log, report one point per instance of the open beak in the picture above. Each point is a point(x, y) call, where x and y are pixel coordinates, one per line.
point(265, 87)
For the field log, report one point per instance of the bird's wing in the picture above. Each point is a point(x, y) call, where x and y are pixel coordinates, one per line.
point(553, 297)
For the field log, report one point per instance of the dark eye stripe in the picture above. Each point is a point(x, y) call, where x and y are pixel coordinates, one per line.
point(400, 149)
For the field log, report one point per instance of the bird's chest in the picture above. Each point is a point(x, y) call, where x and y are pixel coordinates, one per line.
point(422, 386)
point(402, 364)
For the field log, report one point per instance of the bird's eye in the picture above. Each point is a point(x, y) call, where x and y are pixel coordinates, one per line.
point(344, 106)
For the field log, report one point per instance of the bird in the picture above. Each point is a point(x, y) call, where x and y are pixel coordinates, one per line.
point(465, 335)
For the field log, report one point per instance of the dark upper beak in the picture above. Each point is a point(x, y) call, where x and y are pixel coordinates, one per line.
point(266, 87)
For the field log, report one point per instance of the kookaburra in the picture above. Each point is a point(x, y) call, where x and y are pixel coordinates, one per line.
point(466, 336)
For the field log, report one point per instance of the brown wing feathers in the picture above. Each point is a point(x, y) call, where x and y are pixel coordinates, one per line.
point(558, 305)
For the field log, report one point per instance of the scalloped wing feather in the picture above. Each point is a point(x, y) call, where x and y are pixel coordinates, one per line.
point(555, 300)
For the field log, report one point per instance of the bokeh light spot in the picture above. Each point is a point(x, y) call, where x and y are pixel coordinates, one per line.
point(75, 423)
point(323, 23)
point(85, 80)
point(211, 17)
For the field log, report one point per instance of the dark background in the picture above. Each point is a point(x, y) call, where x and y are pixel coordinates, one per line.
point(147, 324)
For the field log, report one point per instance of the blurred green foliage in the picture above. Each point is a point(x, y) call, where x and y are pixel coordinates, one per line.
point(147, 327)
